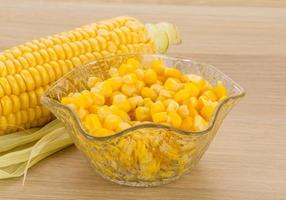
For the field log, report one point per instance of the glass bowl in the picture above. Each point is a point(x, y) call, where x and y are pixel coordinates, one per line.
point(147, 154)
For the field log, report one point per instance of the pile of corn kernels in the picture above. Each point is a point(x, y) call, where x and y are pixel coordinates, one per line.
point(136, 94)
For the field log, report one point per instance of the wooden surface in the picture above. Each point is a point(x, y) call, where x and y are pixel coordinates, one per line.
point(247, 159)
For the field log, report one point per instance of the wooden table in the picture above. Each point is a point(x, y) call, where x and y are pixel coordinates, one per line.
point(245, 39)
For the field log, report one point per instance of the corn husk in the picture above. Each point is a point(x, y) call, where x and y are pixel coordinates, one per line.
point(22, 150)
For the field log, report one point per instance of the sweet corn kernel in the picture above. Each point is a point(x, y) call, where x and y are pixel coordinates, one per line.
point(66, 100)
point(132, 61)
point(183, 111)
point(122, 114)
point(147, 102)
point(98, 99)
point(121, 102)
point(201, 102)
point(188, 124)
point(150, 76)
point(192, 89)
point(148, 93)
point(123, 126)
point(92, 81)
point(172, 72)
point(82, 113)
point(115, 82)
point(92, 122)
point(130, 78)
point(156, 107)
point(126, 69)
point(157, 87)
point(210, 95)
point(220, 90)
point(103, 88)
point(129, 89)
point(140, 85)
point(166, 93)
point(112, 122)
point(172, 84)
point(182, 95)
point(160, 117)
point(208, 109)
point(83, 100)
point(93, 108)
point(199, 123)
point(113, 71)
point(139, 73)
point(136, 101)
point(102, 132)
point(103, 111)
point(158, 67)
point(194, 77)
point(142, 113)
point(172, 106)
point(175, 119)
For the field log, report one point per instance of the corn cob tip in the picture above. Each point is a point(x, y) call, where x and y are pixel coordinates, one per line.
point(163, 34)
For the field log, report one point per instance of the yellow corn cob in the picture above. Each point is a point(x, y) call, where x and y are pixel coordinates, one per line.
point(28, 69)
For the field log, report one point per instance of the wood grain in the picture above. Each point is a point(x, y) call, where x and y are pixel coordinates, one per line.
point(247, 159)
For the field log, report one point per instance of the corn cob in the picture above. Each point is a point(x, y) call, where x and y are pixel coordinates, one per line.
point(28, 69)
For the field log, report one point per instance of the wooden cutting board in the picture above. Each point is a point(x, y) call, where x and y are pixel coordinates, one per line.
point(247, 159)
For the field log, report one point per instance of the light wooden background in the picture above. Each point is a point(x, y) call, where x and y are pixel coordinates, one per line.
point(245, 39)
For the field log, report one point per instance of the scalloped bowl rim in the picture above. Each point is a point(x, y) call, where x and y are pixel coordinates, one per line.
point(47, 101)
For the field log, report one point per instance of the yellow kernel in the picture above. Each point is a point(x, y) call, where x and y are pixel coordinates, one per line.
point(132, 61)
point(201, 102)
point(139, 73)
point(147, 102)
point(126, 69)
point(192, 89)
point(103, 88)
point(111, 122)
point(129, 89)
point(102, 132)
point(82, 113)
point(183, 111)
point(92, 122)
point(175, 119)
point(122, 114)
point(160, 117)
point(158, 66)
point(208, 109)
point(66, 100)
point(172, 84)
point(140, 85)
point(166, 93)
point(103, 111)
point(115, 82)
point(172, 106)
point(150, 76)
point(113, 71)
point(199, 123)
point(156, 107)
point(92, 81)
point(93, 108)
point(220, 90)
point(98, 99)
point(129, 78)
point(172, 72)
point(82, 100)
point(149, 93)
point(210, 95)
point(123, 126)
point(157, 87)
point(121, 102)
point(136, 101)
point(193, 102)
point(142, 113)
point(192, 111)
point(181, 95)
point(188, 124)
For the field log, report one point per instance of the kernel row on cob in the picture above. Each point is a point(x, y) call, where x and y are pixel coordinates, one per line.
point(28, 69)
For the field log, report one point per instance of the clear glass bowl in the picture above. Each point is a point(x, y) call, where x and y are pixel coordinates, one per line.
point(143, 155)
